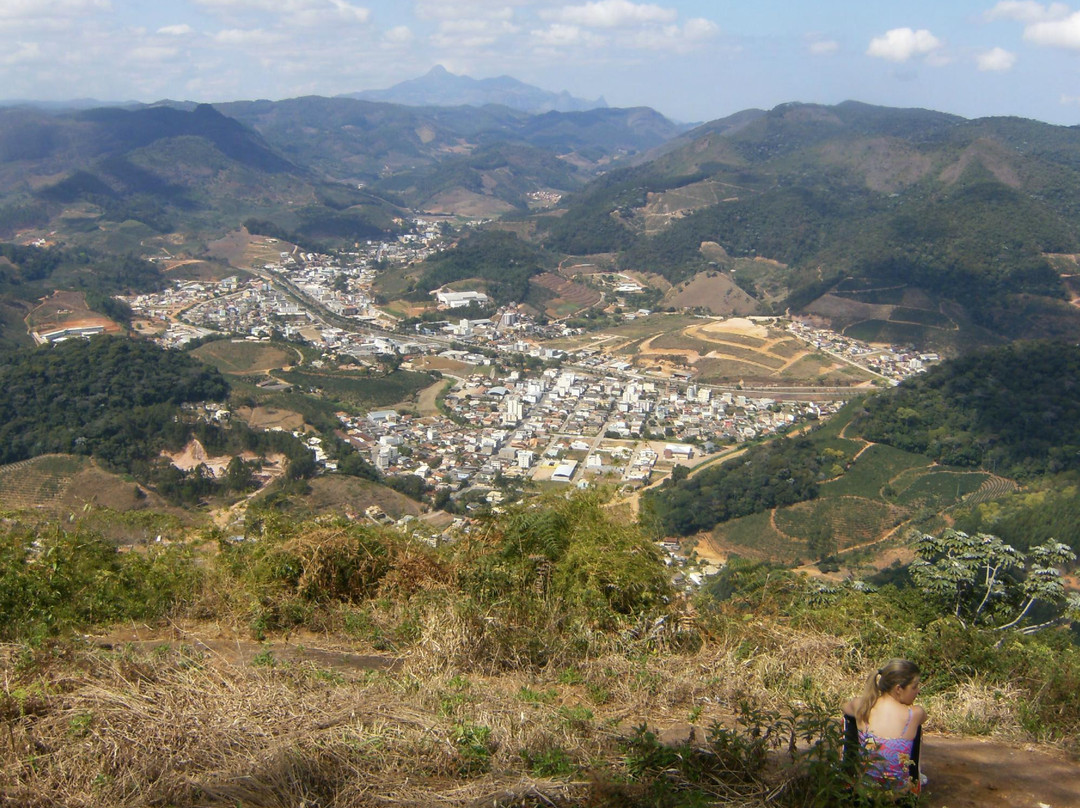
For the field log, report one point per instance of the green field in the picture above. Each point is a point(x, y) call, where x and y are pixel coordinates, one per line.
point(887, 332)
point(40, 481)
point(755, 537)
point(937, 489)
point(652, 325)
point(848, 521)
point(818, 366)
point(874, 469)
point(933, 319)
point(725, 370)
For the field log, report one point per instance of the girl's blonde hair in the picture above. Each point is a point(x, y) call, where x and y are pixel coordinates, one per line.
point(894, 672)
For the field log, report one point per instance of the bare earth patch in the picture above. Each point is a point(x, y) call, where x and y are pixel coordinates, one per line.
point(718, 293)
point(271, 417)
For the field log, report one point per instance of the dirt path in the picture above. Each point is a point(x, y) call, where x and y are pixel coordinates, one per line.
point(972, 772)
point(969, 772)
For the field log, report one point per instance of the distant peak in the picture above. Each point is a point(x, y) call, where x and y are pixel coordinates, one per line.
point(439, 70)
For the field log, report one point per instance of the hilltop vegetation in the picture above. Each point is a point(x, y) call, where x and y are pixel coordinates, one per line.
point(535, 662)
point(123, 402)
point(499, 258)
point(113, 398)
point(30, 273)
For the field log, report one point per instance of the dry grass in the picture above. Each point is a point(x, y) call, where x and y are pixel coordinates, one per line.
point(181, 725)
point(177, 726)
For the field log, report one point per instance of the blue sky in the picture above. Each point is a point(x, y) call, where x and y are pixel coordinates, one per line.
point(690, 59)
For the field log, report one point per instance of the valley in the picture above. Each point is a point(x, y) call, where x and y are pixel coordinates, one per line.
point(596, 457)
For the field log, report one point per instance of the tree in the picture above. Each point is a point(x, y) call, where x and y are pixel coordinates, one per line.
point(985, 582)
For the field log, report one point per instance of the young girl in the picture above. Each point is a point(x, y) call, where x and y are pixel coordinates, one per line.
point(888, 722)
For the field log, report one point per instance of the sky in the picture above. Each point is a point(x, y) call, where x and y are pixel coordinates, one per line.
point(692, 60)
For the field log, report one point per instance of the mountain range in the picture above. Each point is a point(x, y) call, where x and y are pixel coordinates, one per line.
point(439, 87)
point(903, 225)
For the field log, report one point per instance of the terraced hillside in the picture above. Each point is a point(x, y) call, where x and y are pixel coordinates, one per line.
point(60, 483)
point(39, 482)
point(882, 493)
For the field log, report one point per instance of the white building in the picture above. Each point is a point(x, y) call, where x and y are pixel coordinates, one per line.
point(458, 300)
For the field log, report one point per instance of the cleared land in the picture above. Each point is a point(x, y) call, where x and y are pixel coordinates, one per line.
point(240, 357)
point(56, 483)
point(723, 351)
point(67, 310)
point(337, 493)
point(714, 291)
point(883, 492)
point(569, 297)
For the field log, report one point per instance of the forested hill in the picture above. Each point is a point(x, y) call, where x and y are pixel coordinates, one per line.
point(500, 259)
point(1015, 410)
point(866, 205)
point(114, 398)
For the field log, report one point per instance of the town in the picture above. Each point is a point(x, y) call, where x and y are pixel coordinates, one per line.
point(559, 417)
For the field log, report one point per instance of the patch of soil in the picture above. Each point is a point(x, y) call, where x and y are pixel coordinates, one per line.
point(339, 493)
point(270, 417)
point(982, 773)
point(194, 455)
point(718, 293)
point(467, 203)
point(67, 310)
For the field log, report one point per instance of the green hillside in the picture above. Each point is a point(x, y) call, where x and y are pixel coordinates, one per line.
point(948, 441)
point(196, 171)
point(855, 200)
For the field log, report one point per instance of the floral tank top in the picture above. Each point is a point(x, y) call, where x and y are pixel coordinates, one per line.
point(890, 758)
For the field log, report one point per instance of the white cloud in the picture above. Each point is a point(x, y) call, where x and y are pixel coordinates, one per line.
point(699, 29)
point(560, 35)
point(477, 33)
point(824, 47)
point(901, 44)
point(612, 14)
point(176, 30)
point(25, 52)
point(152, 53)
point(33, 9)
point(1027, 11)
point(464, 10)
point(242, 37)
point(995, 59)
point(1070, 100)
point(399, 35)
point(674, 38)
point(306, 13)
point(1063, 33)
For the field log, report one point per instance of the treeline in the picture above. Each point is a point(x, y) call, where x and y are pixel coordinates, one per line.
point(781, 472)
point(1046, 509)
point(123, 402)
point(973, 238)
point(1013, 410)
point(521, 169)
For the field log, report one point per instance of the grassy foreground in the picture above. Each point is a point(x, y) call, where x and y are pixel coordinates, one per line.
point(539, 662)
